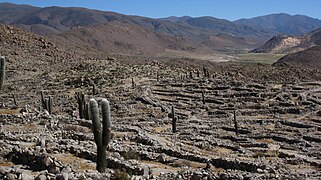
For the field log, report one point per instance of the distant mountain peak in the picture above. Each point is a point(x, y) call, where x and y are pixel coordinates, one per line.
point(176, 18)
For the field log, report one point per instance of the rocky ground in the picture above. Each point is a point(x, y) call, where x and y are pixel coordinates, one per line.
point(278, 114)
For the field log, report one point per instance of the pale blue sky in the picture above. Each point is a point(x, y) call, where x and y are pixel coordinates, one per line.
point(225, 9)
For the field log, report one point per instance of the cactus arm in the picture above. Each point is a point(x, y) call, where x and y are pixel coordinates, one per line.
point(87, 112)
point(106, 121)
point(96, 122)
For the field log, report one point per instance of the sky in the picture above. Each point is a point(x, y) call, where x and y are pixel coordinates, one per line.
point(224, 9)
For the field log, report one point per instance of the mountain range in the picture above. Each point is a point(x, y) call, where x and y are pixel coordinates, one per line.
point(118, 33)
point(125, 33)
point(283, 23)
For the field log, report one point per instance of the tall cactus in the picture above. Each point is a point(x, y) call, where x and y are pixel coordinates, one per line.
point(203, 97)
point(14, 100)
point(235, 123)
point(174, 120)
point(94, 89)
point(80, 97)
point(50, 104)
point(157, 76)
point(102, 135)
point(2, 71)
point(133, 83)
point(47, 103)
point(204, 70)
point(87, 112)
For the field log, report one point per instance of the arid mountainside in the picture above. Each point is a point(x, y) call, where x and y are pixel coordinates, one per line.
point(285, 44)
point(201, 34)
point(283, 23)
point(310, 57)
point(116, 37)
point(51, 20)
point(191, 36)
point(18, 43)
point(58, 19)
point(220, 26)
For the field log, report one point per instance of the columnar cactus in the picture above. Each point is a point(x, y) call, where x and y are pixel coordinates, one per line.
point(133, 83)
point(94, 89)
point(174, 119)
point(14, 100)
point(87, 112)
point(50, 104)
point(203, 97)
point(235, 124)
point(102, 135)
point(80, 97)
point(2, 71)
point(204, 70)
point(43, 100)
point(47, 103)
point(157, 76)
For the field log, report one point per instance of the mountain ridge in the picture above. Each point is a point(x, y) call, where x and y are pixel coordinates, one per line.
point(59, 20)
point(283, 23)
point(209, 33)
point(219, 25)
point(285, 44)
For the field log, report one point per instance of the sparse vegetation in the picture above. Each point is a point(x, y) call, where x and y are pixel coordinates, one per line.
point(275, 129)
point(264, 58)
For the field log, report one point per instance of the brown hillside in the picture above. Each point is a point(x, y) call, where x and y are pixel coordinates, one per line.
point(229, 42)
point(310, 57)
point(284, 44)
point(124, 38)
point(15, 42)
point(55, 20)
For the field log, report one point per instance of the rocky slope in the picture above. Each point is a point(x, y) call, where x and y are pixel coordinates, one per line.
point(116, 37)
point(310, 57)
point(285, 44)
point(15, 41)
point(276, 136)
